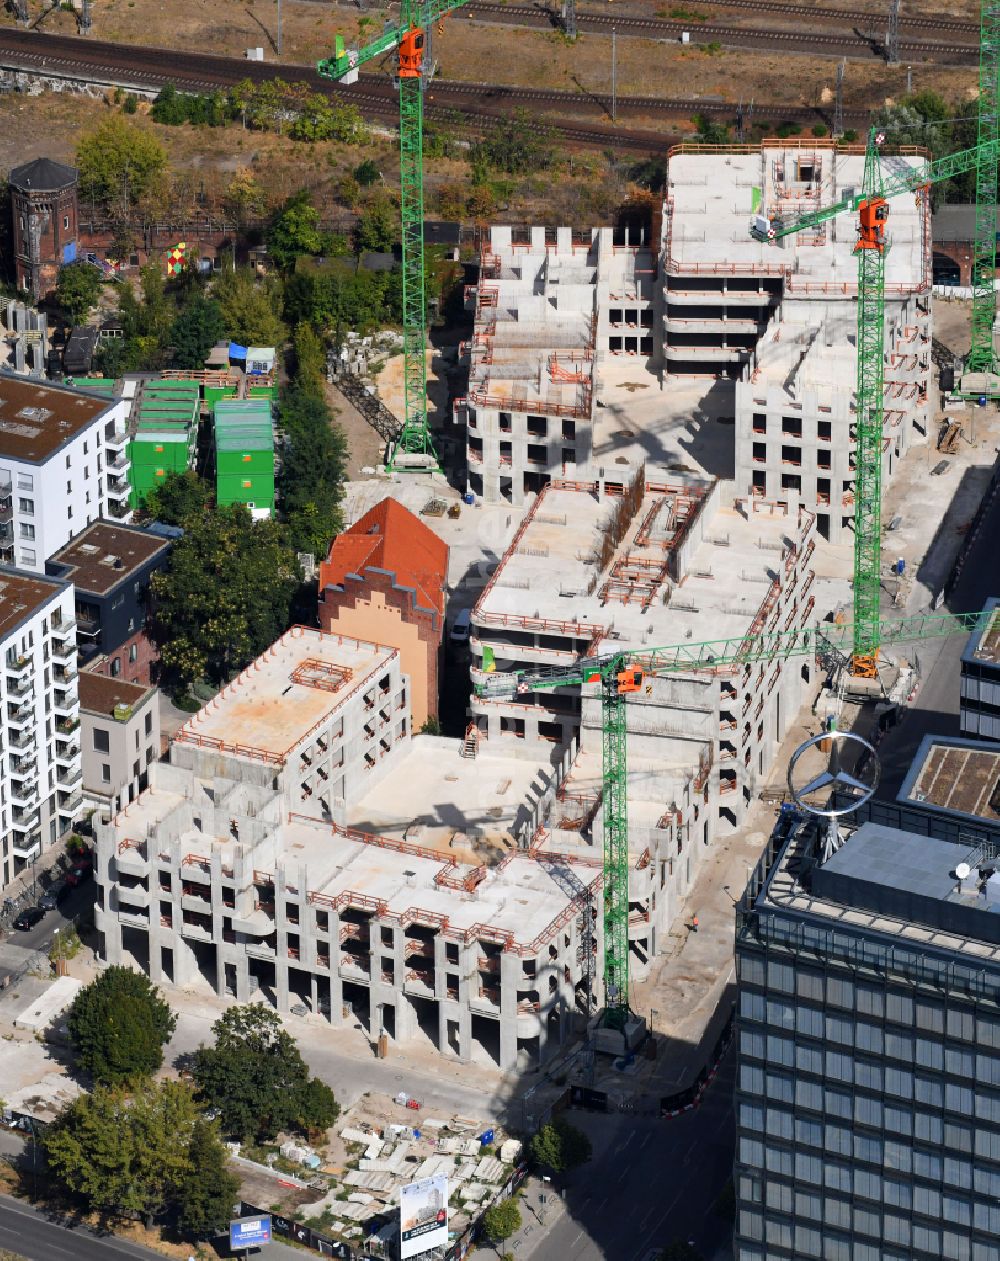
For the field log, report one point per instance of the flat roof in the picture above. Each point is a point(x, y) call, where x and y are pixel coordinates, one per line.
point(961, 776)
point(22, 595)
point(559, 570)
point(101, 695)
point(712, 195)
point(36, 420)
point(984, 641)
point(473, 811)
point(304, 677)
point(103, 555)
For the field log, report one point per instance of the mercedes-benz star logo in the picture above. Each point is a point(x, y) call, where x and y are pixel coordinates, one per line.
point(851, 771)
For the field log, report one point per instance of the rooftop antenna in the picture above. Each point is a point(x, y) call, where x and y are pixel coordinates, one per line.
point(838, 110)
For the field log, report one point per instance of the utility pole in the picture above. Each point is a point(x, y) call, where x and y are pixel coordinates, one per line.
point(569, 19)
point(279, 28)
point(838, 111)
point(614, 76)
point(22, 11)
point(892, 37)
point(739, 122)
point(909, 80)
point(85, 18)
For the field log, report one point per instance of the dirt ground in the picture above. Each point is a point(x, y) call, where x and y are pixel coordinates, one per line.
point(364, 446)
point(467, 50)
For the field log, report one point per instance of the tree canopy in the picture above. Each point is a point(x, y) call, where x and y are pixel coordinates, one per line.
point(294, 230)
point(313, 473)
point(254, 1075)
point(560, 1146)
point(120, 162)
point(378, 225)
point(179, 498)
point(145, 1153)
point(78, 289)
point(501, 1220)
point(119, 1025)
point(250, 307)
point(195, 331)
point(224, 596)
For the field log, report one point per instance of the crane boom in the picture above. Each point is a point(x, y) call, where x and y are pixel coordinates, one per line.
point(622, 673)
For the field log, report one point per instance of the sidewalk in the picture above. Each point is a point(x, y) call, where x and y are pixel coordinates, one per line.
point(537, 1219)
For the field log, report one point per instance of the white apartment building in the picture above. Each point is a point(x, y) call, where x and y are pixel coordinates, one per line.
point(41, 784)
point(549, 309)
point(779, 317)
point(63, 464)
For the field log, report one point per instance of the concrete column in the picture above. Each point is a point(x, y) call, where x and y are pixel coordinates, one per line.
point(508, 1039)
point(281, 983)
point(242, 979)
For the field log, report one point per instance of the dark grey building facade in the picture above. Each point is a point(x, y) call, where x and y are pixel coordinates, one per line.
point(868, 1033)
point(979, 707)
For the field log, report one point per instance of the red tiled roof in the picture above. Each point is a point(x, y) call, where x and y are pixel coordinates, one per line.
point(390, 537)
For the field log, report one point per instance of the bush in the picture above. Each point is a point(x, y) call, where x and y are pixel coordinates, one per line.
point(849, 136)
point(819, 130)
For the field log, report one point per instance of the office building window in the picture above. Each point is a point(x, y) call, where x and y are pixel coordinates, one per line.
point(102, 740)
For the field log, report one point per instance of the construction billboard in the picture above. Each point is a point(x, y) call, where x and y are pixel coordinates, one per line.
point(423, 1216)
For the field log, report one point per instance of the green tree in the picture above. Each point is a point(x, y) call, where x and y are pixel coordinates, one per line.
point(256, 1078)
point(207, 1190)
point(120, 161)
point(501, 1220)
point(224, 597)
point(310, 360)
point(367, 173)
point(78, 289)
point(179, 499)
point(517, 145)
point(119, 1025)
point(250, 307)
point(377, 228)
point(125, 1154)
point(294, 231)
point(560, 1146)
point(313, 472)
point(195, 331)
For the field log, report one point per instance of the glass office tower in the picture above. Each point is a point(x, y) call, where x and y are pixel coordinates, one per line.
point(868, 1088)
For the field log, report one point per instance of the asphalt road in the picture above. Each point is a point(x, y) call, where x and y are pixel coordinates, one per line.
point(40, 937)
point(935, 710)
point(651, 1181)
point(31, 1234)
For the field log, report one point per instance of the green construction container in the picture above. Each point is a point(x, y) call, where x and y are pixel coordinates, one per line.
point(213, 393)
point(164, 434)
point(244, 454)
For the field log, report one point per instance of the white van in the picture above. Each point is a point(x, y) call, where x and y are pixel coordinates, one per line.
point(461, 628)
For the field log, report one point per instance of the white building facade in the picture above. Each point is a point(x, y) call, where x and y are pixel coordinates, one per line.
point(63, 464)
point(42, 778)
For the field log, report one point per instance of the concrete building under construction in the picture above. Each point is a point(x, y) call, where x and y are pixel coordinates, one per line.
point(779, 317)
point(660, 560)
point(269, 855)
point(549, 308)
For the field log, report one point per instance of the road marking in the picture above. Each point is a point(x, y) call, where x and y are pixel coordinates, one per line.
point(649, 1135)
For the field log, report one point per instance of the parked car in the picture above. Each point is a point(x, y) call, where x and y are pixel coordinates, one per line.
point(28, 918)
point(78, 873)
point(55, 895)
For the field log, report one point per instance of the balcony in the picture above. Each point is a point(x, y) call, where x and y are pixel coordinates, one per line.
point(6, 510)
point(66, 726)
point(21, 717)
point(21, 741)
point(19, 668)
point(119, 509)
point(118, 489)
point(71, 802)
point(116, 441)
point(134, 895)
point(66, 702)
point(19, 688)
point(67, 780)
point(28, 849)
point(119, 465)
point(64, 652)
point(65, 674)
point(25, 823)
point(24, 794)
point(66, 754)
point(26, 768)
point(65, 630)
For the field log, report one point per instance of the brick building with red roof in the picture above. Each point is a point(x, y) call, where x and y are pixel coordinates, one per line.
point(384, 581)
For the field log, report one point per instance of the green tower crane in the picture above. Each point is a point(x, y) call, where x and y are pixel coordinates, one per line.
point(982, 357)
point(622, 674)
point(413, 450)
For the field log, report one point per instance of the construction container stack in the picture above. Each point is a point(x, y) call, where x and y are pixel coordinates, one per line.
point(164, 433)
point(244, 454)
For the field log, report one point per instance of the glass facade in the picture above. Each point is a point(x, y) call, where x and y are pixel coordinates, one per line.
point(867, 1093)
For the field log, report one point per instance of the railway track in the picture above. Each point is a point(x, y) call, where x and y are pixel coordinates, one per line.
point(623, 22)
point(145, 67)
point(824, 43)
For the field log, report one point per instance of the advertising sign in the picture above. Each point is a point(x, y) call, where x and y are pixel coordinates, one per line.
point(249, 1232)
point(423, 1216)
